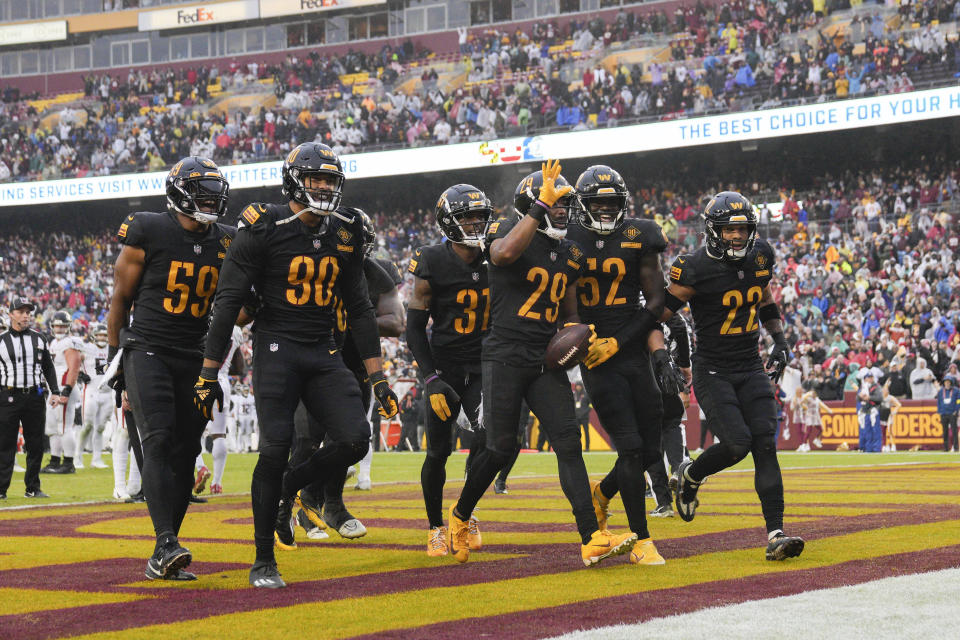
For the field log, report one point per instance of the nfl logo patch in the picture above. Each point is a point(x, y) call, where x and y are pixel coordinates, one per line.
point(197, 249)
point(599, 244)
point(740, 274)
point(274, 346)
point(553, 256)
point(316, 243)
point(476, 276)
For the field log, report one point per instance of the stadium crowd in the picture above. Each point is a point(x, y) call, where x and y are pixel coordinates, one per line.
point(868, 271)
point(728, 57)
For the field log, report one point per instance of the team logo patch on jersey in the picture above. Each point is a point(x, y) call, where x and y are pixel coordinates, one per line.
point(344, 235)
point(197, 249)
point(631, 245)
point(575, 252)
point(346, 248)
point(675, 273)
point(123, 230)
point(763, 273)
point(250, 215)
point(225, 242)
point(553, 256)
point(761, 260)
point(493, 228)
point(631, 232)
point(413, 266)
point(274, 346)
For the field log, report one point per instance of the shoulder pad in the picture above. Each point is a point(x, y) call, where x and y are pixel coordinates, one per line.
point(226, 229)
point(254, 216)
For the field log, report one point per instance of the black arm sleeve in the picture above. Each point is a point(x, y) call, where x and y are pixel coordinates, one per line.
point(240, 268)
point(680, 333)
point(360, 313)
point(417, 340)
point(49, 372)
point(642, 322)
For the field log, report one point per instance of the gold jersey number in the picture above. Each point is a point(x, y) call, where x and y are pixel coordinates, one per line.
point(733, 300)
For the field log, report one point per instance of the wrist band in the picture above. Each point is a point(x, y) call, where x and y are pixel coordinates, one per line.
point(431, 378)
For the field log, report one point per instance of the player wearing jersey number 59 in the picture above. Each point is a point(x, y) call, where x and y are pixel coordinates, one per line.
point(168, 270)
point(450, 285)
point(531, 264)
point(303, 258)
point(727, 283)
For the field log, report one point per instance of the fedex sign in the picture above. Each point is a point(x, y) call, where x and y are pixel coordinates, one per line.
point(198, 14)
point(272, 8)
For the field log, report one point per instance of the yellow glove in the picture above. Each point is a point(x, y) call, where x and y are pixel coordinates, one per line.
point(601, 350)
point(441, 396)
point(549, 193)
point(593, 330)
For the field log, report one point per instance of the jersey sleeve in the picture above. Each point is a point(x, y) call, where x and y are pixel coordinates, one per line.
point(499, 228)
point(420, 264)
point(253, 215)
point(392, 271)
point(654, 238)
point(764, 262)
point(379, 280)
point(682, 271)
point(132, 231)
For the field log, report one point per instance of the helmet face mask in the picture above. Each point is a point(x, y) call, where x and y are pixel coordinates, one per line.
point(313, 176)
point(60, 324)
point(554, 224)
point(196, 188)
point(602, 196)
point(463, 215)
point(729, 210)
point(99, 334)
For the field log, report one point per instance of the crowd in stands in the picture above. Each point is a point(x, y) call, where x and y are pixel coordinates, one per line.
point(867, 274)
point(731, 56)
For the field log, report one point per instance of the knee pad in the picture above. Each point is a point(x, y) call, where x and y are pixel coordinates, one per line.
point(766, 445)
point(441, 452)
point(735, 451)
point(272, 456)
point(358, 449)
point(499, 458)
point(567, 447)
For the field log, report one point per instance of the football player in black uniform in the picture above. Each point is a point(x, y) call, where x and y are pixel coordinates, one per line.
point(321, 504)
point(530, 265)
point(621, 261)
point(450, 285)
point(727, 283)
point(168, 270)
point(301, 258)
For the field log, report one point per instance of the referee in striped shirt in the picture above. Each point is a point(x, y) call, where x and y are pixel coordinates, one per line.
point(25, 363)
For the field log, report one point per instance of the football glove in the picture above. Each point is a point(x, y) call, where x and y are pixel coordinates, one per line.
point(668, 378)
point(601, 350)
point(549, 193)
point(441, 396)
point(207, 393)
point(389, 406)
point(116, 381)
point(83, 378)
point(779, 357)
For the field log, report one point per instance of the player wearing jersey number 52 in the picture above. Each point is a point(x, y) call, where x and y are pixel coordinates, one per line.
point(168, 271)
point(304, 258)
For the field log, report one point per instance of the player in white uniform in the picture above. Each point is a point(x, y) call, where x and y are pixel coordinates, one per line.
point(217, 428)
point(67, 352)
point(245, 413)
point(123, 488)
point(98, 403)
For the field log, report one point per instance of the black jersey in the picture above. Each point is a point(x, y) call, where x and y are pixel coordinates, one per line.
point(459, 302)
point(171, 307)
point(725, 304)
point(525, 296)
point(382, 276)
point(608, 290)
point(299, 273)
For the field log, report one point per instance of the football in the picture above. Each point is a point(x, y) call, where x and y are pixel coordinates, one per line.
point(568, 348)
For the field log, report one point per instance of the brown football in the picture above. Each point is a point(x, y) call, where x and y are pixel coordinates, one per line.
point(568, 348)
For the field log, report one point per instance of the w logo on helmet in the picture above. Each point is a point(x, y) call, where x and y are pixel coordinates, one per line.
point(736, 205)
point(604, 177)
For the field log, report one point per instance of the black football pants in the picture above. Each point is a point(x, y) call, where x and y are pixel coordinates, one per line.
point(433, 474)
point(671, 439)
point(550, 397)
point(160, 389)
point(284, 373)
point(742, 413)
point(627, 400)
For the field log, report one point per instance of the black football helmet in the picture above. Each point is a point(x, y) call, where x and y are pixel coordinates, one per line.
point(603, 199)
point(369, 233)
point(728, 208)
point(60, 324)
point(528, 191)
point(314, 159)
point(197, 189)
point(98, 333)
point(457, 203)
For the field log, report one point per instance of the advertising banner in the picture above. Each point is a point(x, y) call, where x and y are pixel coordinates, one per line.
point(196, 15)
